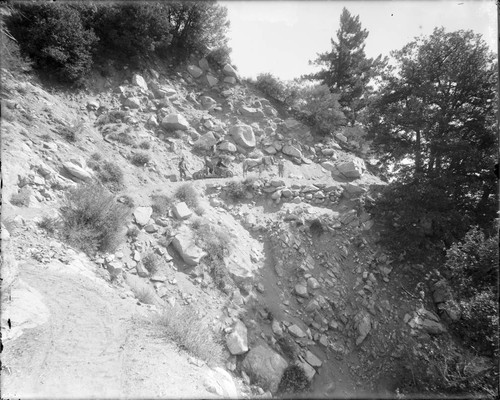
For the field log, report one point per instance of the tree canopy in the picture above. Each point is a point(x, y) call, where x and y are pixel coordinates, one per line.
point(436, 111)
point(347, 71)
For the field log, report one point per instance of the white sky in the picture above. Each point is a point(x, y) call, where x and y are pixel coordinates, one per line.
point(282, 36)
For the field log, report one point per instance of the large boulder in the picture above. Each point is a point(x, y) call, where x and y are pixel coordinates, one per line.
point(227, 146)
point(77, 172)
point(132, 102)
point(363, 325)
point(352, 169)
point(220, 383)
point(138, 80)
point(206, 141)
point(243, 136)
point(195, 71)
point(184, 243)
point(175, 122)
point(207, 102)
point(251, 112)
point(230, 71)
point(446, 305)
point(237, 340)
point(182, 211)
point(265, 367)
point(203, 63)
point(291, 151)
point(211, 80)
point(142, 215)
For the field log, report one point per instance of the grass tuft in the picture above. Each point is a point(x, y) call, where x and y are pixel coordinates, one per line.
point(186, 327)
point(189, 195)
point(91, 219)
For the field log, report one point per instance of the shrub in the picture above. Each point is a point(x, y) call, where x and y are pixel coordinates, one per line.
point(151, 262)
point(108, 172)
point(54, 36)
point(142, 291)
point(216, 242)
point(145, 145)
point(139, 159)
point(472, 265)
point(133, 231)
point(161, 204)
point(125, 138)
point(271, 86)
point(236, 191)
point(220, 56)
point(22, 198)
point(186, 327)
point(91, 219)
point(294, 380)
point(188, 194)
point(72, 132)
point(50, 225)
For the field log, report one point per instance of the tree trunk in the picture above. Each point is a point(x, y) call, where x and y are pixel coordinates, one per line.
point(418, 153)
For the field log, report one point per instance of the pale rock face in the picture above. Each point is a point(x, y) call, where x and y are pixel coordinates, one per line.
point(195, 71)
point(142, 215)
point(184, 243)
point(231, 80)
point(138, 80)
point(77, 172)
point(237, 340)
point(230, 71)
point(182, 211)
point(265, 367)
point(203, 63)
point(175, 122)
point(227, 146)
point(132, 102)
point(291, 151)
point(243, 135)
point(206, 141)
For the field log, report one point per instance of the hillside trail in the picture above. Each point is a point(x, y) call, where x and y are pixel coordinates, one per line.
point(94, 345)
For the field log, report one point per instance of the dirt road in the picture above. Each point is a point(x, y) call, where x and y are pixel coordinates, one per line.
point(92, 345)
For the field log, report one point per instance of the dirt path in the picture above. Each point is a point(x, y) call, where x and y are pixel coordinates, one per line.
point(77, 353)
point(96, 345)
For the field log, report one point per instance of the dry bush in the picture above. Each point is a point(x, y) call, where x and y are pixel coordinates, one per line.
point(142, 291)
point(140, 158)
point(109, 173)
point(161, 204)
point(185, 326)
point(152, 262)
point(145, 145)
point(188, 194)
point(91, 219)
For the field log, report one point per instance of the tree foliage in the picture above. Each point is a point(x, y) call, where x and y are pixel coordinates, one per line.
point(347, 71)
point(434, 119)
point(54, 37)
point(68, 38)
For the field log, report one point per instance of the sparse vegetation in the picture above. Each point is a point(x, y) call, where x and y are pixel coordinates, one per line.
point(186, 326)
point(50, 224)
point(236, 191)
point(91, 219)
point(145, 145)
point(188, 194)
point(139, 159)
point(294, 380)
point(161, 205)
point(133, 231)
point(142, 291)
point(109, 173)
point(151, 262)
point(216, 242)
point(73, 132)
point(22, 198)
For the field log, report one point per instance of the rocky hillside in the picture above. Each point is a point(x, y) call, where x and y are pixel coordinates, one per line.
point(284, 270)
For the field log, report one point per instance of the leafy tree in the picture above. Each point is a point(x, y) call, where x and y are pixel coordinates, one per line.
point(348, 72)
point(197, 26)
point(434, 118)
point(129, 29)
point(54, 37)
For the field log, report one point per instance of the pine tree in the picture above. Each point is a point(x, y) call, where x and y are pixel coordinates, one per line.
point(348, 72)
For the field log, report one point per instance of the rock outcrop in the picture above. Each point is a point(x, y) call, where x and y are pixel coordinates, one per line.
point(265, 367)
